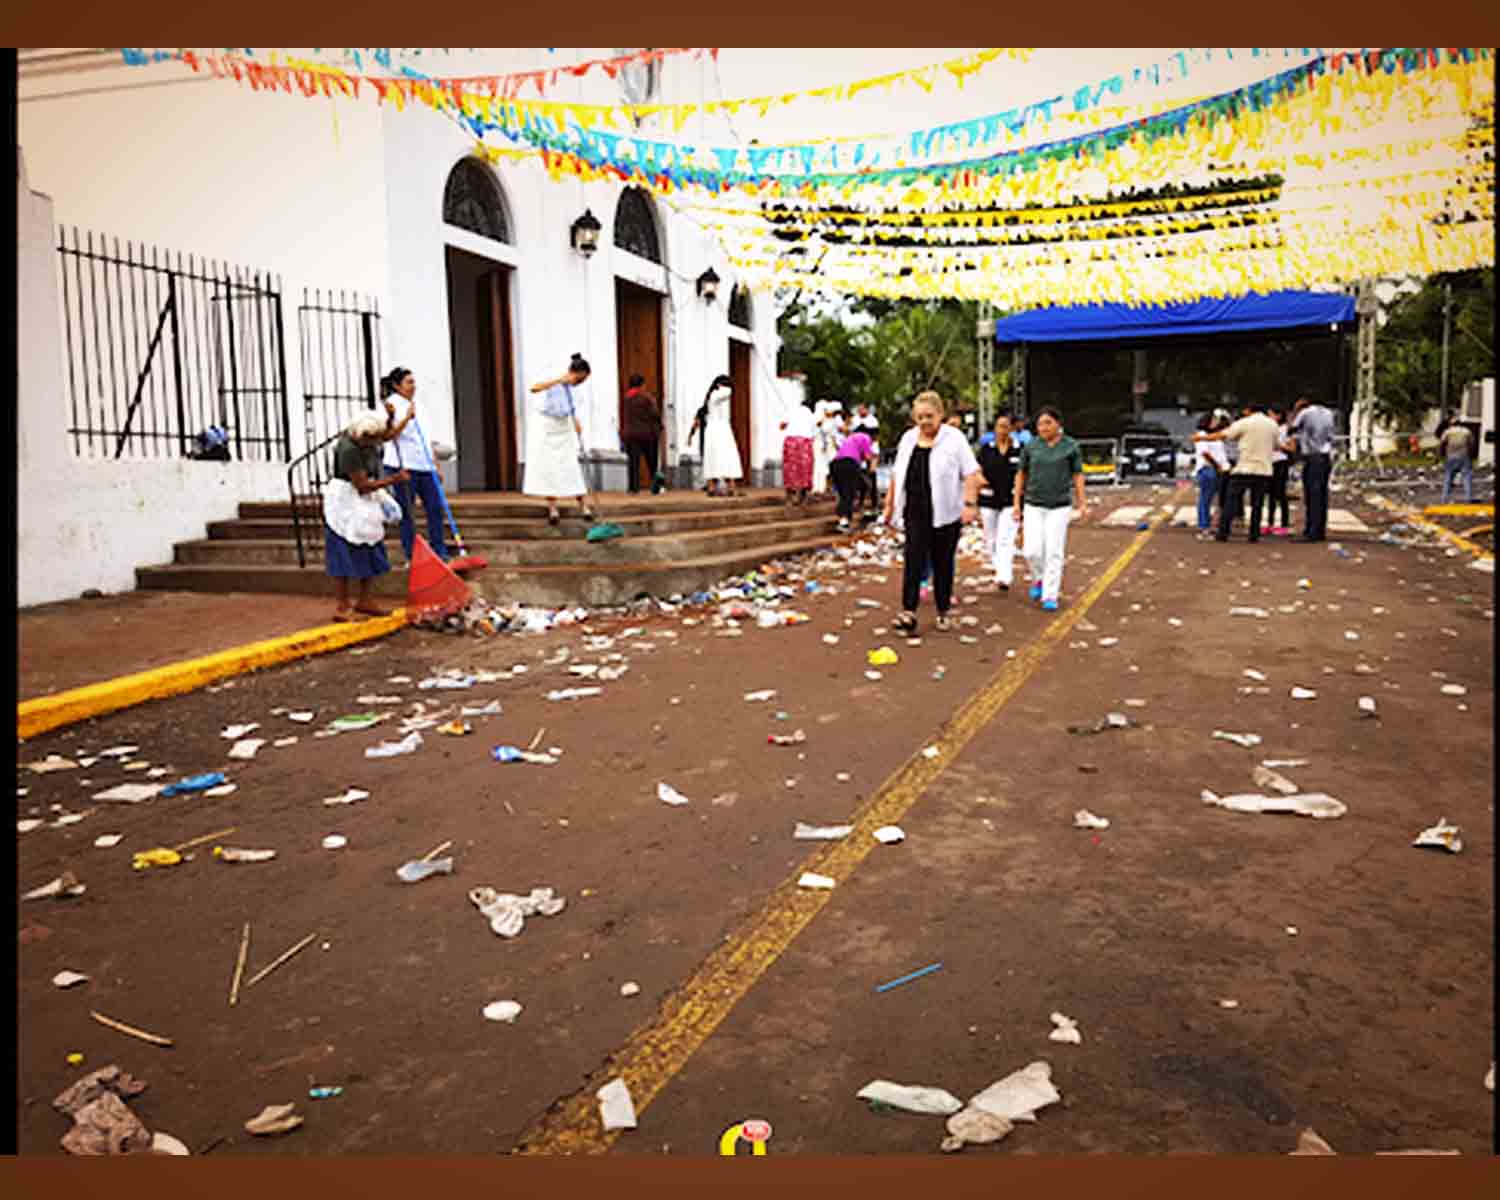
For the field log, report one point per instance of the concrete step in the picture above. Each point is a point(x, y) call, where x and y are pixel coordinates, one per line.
point(571, 551)
point(488, 528)
point(612, 505)
point(553, 586)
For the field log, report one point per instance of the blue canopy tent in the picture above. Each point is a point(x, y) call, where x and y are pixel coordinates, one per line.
point(1266, 346)
point(1279, 312)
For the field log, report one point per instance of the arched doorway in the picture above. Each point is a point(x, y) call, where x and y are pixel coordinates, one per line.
point(638, 316)
point(741, 347)
point(479, 327)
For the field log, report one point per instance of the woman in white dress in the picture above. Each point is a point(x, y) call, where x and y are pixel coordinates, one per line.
point(721, 453)
point(825, 442)
point(554, 440)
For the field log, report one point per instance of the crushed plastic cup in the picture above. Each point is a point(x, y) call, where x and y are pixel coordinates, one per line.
point(1441, 836)
point(1083, 819)
point(335, 841)
point(407, 745)
point(667, 794)
point(418, 869)
point(1065, 1030)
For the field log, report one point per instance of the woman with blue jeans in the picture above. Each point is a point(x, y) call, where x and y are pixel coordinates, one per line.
point(1211, 463)
point(407, 452)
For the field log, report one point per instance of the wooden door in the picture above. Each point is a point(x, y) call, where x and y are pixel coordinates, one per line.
point(739, 406)
point(638, 349)
point(501, 468)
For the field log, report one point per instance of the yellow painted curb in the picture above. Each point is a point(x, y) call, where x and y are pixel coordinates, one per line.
point(79, 704)
point(658, 1050)
point(1412, 517)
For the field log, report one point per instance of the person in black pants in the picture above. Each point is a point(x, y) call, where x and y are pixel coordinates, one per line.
point(1281, 470)
point(847, 472)
point(1312, 427)
point(936, 486)
point(641, 433)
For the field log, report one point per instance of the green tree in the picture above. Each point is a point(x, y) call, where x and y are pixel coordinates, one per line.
point(1409, 346)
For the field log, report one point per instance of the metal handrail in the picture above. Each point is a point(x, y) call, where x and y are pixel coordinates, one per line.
point(314, 487)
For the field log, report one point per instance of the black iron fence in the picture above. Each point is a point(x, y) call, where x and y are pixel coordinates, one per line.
point(163, 347)
point(340, 339)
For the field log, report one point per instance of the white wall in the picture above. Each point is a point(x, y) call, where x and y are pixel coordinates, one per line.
point(560, 301)
point(87, 523)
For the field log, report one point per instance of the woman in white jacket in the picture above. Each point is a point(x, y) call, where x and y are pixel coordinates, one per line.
point(721, 453)
point(934, 492)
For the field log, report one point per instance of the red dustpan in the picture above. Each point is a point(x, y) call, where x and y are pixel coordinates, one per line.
point(433, 591)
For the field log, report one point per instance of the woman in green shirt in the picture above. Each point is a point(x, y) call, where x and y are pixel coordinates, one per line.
point(1049, 494)
point(353, 517)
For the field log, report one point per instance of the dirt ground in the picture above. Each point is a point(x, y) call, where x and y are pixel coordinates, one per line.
point(1373, 1022)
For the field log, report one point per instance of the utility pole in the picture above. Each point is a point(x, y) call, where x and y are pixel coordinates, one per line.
point(1367, 306)
point(1447, 308)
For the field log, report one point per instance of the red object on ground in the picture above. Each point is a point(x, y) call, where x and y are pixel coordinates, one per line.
point(467, 562)
point(432, 589)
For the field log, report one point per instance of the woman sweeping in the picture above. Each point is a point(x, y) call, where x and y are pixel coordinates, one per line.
point(934, 490)
point(721, 453)
point(554, 439)
point(1049, 494)
point(354, 517)
point(406, 450)
point(797, 453)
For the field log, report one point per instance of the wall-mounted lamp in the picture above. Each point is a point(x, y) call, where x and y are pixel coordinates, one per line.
point(708, 285)
point(585, 233)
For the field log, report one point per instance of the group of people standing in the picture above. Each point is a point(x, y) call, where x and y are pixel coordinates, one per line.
point(1251, 458)
point(823, 446)
point(939, 485)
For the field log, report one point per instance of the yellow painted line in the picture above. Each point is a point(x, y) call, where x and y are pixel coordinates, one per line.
point(656, 1052)
point(1459, 510)
point(79, 704)
point(1412, 517)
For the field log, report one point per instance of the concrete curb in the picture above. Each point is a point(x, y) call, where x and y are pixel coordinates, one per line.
point(79, 704)
point(1412, 517)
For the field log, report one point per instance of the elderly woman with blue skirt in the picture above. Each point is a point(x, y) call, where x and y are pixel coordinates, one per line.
point(354, 515)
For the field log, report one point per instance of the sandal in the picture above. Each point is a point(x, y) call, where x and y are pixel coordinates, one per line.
point(372, 610)
point(552, 516)
point(906, 623)
point(943, 623)
point(343, 614)
point(590, 515)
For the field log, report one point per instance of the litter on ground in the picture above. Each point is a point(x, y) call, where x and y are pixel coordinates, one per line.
point(821, 833)
point(507, 913)
point(932, 1101)
point(1083, 819)
point(1306, 804)
point(1065, 1030)
point(1441, 836)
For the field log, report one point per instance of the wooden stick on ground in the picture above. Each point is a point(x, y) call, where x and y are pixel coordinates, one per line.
point(536, 741)
point(207, 837)
point(268, 968)
point(154, 1039)
point(434, 852)
point(239, 966)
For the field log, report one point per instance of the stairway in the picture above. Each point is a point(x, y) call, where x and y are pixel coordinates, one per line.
point(675, 543)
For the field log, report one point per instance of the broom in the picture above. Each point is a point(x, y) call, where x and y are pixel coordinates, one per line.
point(465, 561)
point(599, 531)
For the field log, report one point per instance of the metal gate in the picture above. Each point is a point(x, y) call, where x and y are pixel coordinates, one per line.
point(160, 347)
point(340, 339)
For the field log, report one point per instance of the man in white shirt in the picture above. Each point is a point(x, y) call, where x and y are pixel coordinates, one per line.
point(407, 450)
point(1256, 436)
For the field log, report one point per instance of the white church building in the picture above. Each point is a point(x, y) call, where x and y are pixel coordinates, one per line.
point(195, 254)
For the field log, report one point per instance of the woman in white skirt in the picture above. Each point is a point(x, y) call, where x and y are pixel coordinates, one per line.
point(721, 453)
point(554, 441)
